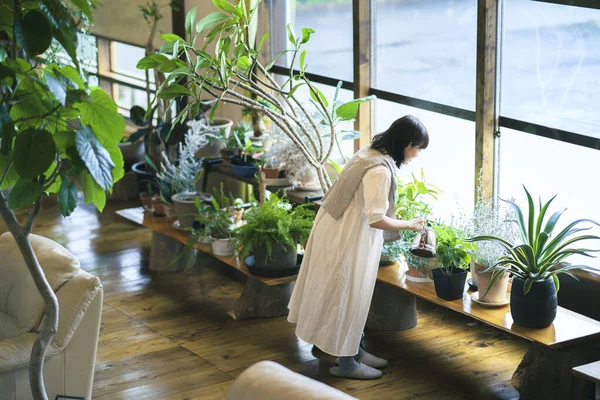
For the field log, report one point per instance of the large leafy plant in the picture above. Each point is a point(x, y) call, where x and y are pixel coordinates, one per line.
point(55, 131)
point(274, 221)
point(453, 250)
point(236, 66)
point(539, 253)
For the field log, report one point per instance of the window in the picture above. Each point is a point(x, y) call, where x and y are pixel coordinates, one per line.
point(123, 59)
point(427, 50)
point(329, 52)
point(548, 167)
point(550, 69)
point(448, 162)
point(87, 54)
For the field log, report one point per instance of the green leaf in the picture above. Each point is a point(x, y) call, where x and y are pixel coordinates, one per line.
point(100, 113)
point(92, 192)
point(291, 93)
point(211, 20)
point(73, 75)
point(306, 32)
point(65, 29)
point(302, 57)
point(171, 65)
point(347, 111)
point(190, 18)
point(86, 9)
point(55, 186)
point(67, 197)
point(138, 116)
point(7, 17)
point(24, 194)
point(96, 158)
point(171, 37)
point(12, 177)
point(64, 140)
point(173, 91)
point(7, 130)
point(151, 61)
point(290, 32)
point(34, 152)
point(226, 6)
point(243, 63)
point(321, 96)
point(34, 33)
point(58, 88)
point(140, 133)
point(116, 156)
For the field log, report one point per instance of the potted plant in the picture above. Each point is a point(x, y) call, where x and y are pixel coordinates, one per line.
point(215, 136)
point(271, 232)
point(489, 219)
point(235, 143)
point(245, 165)
point(412, 201)
point(216, 228)
point(453, 258)
point(536, 259)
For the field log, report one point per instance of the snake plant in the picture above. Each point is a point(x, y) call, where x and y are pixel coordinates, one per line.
point(541, 253)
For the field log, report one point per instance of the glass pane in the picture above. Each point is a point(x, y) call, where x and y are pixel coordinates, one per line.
point(554, 168)
point(127, 97)
point(329, 51)
point(551, 73)
point(448, 162)
point(87, 54)
point(124, 58)
point(427, 50)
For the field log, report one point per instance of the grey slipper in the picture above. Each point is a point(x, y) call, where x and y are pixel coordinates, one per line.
point(369, 360)
point(361, 372)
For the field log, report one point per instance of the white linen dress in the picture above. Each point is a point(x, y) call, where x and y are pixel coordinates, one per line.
point(333, 292)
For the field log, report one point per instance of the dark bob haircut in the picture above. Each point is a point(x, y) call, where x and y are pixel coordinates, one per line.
point(405, 131)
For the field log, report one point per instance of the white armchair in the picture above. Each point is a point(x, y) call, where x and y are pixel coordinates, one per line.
point(71, 357)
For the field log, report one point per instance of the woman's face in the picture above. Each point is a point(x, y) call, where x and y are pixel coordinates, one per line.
point(411, 152)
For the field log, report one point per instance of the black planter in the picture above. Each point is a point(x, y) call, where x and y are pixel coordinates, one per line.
point(450, 287)
point(536, 309)
point(274, 271)
point(282, 257)
point(144, 176)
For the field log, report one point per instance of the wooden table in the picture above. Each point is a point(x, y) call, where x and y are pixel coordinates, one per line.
point(590, 374)
point(545, 372)
point(262, 296)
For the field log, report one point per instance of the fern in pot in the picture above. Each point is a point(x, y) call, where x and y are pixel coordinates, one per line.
point(536, 259)
point(453, 257)
point(489, 219)
point(270, 233)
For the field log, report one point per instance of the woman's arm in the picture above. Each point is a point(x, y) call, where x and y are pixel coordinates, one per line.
point(390, 224)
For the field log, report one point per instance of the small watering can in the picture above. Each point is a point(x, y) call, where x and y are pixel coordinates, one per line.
point(424, 243)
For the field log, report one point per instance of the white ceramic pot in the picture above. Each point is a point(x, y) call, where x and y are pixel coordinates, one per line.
point(222, 247)
point(223, 123)
point(497, 293)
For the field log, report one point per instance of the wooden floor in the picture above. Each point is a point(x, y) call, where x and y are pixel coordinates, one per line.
point(167, 335)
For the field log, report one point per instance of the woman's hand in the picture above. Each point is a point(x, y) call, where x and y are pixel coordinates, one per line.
point(416, 224)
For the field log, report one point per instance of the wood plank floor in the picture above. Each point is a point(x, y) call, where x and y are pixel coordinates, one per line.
point(167, 335)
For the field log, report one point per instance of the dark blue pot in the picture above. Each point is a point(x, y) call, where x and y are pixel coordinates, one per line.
point(536, 309)
point(243, 168)
point(450, 287)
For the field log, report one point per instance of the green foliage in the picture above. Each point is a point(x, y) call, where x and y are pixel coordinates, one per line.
point(453, 251)
point(275, 221)
point(540, 253)
point(53, 129)
point(237, 138)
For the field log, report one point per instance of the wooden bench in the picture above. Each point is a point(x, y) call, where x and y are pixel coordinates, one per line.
point(262, 297)
point(590, 374)
point(544, 373)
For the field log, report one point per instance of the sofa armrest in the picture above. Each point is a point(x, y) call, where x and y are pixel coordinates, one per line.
point(74, 298)
point(16, 351)
point(267, 380)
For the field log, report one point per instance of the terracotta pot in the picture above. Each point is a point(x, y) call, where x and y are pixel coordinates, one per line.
point(170, 212)
point(495, 294)
point(271, 173)
point(157, 203)
point(420, 270)
point(146, 201)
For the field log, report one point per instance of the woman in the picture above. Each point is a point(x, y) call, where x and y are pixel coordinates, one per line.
point(331, 299)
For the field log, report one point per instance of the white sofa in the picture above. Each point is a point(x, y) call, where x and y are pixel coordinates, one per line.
point(267, 380)
point(71, 357)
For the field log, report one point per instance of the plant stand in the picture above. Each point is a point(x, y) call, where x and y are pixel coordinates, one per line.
point(546, 373)
point(259, 300)
point(392, 310)
point(165, 250)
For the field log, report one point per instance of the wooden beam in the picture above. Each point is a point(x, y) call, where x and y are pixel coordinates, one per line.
point(362, 13)
point(485, 107)
point(178, 13)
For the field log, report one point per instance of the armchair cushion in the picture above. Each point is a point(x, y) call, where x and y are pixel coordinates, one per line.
point(15, 352)
point(20, 301)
